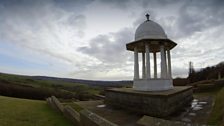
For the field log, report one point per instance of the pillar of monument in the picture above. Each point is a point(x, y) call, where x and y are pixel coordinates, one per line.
point(166, 68)
point(143, 65)
point(155, 65)
point(136, 66)
point(163, 62)
point(169, 64)
point(147, 51)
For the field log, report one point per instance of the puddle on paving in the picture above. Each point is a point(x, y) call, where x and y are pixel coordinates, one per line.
point(194, 111)
point(202, 103)
point(197, 105)
point(192, 114)
point(186, 120)
point(101, 106)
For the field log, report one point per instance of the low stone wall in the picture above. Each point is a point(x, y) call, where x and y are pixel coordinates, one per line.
point(50, 103)
point(91, 119)
point(84, 118)
point(67, 111)
point(55, 104)
point(72, 115)
point(158, 104)
point(152, 121)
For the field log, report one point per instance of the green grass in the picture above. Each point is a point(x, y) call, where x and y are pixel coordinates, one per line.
point(23, 112)
point(217, 114)
point(212, 92)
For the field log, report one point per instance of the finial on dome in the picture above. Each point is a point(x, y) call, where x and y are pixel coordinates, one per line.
point(147, 17)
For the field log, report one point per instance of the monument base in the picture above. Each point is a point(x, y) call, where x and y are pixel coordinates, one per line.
point(153, 84)
point(158, 104)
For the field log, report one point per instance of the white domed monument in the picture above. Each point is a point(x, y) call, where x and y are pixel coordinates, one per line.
point(151, 38)
point(151, 95)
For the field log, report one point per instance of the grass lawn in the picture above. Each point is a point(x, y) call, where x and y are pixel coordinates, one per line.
point(217, 114)
point(24, 112)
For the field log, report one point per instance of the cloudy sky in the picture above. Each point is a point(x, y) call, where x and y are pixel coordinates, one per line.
point(86, 38)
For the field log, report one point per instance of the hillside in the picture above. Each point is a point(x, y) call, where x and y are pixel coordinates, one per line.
point(41, 87)
point(58, 80)
point(27, 87)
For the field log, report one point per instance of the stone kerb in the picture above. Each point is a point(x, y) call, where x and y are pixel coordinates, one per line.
point(72, 115)
point(50, 103)
point(152, 121)
point(57, 104)
point(91, 119)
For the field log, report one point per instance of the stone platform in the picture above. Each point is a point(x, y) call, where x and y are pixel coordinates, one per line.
point(153, 84)
point(158, 104)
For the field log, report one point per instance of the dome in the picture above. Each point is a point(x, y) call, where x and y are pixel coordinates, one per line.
point(149, 30)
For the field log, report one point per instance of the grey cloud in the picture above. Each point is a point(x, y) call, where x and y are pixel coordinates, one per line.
point(77, 20)
point(180, 71)
point(38, 25)
point(192, 16)
point(124, 4)
point(121, 4)
point(112, 54)
point(156, 3)
point(106, 50)
point(196, 16)
point(73, 5)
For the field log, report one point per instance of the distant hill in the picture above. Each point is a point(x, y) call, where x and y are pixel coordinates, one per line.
point(87, 82)
point(80, 81)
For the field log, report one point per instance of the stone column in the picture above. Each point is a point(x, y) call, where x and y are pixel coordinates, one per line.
point(166, 70)
point(155, 65)
point(136, 66)
point(148, 73)
point(163, 62)
point(143, 65)
point(169, 64)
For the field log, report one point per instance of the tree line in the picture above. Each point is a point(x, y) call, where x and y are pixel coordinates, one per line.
point(208, 73)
